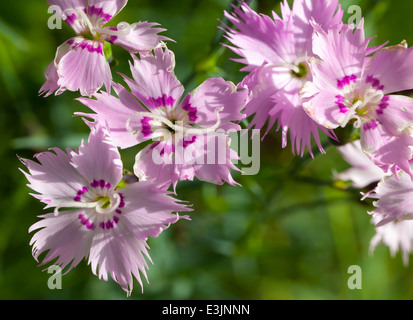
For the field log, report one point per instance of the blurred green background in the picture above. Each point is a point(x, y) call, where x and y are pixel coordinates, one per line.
point(287, 233)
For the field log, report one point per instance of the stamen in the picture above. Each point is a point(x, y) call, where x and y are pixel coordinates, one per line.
point(358, 122)
point(206, 130)
point(358, 104)
point(102, 202)
point(352, 114)
point(122, 29)
point(373, 95)
point(76, 204)
point(175, 127)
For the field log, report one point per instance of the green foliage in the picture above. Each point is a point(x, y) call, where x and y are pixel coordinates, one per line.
point(287, 233)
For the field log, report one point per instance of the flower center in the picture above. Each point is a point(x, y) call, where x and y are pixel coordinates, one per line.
point(89, 23)
point(360, 101)
point(174, 122)
point(98, 205)
point(166, 125)
point(300, 71)
point(104, 201)
point(106, 204)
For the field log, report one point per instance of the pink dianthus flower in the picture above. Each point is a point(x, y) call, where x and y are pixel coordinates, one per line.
point(93, 218)
point(351, 87)
point(80, 63)
point(275, 52)
point(189, 135)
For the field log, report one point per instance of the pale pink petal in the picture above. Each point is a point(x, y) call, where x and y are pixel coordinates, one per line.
point(217, 159)
point(342, 51)
point(363, 171)
point(259, 104)
point(149, 218)
point(52, 78)
point(154, 82)
point(73, 12)
point(395, 199)
point(394, 67)
point(258, 37)
point(216, 96)
point(68, 4)
point(53, 177)
point(105, 9)
point(294, 120)
point(139, 37)
point(397, 235)
point(120, 254)
point(63, 236)
point(263, 83)
point(285, 11)
point(156, 163)
point(99, 159)
point(395, 113)
point(84, 68)
point(326, 13)
point(114, 113)
point(206, 157)
point(389, 152)
point(324, 106)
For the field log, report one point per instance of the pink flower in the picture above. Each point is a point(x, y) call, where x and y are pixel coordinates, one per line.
point(394, 199)
point(80, 63)
point(189, 135)
point(393, 223)
point(363, 171)
point(393, 215)
point(275, 52)
point(350, 86)
point(396, 235)
point(108, 225)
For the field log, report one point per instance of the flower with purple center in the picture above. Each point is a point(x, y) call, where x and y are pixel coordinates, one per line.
point(189, 134)
point(94, 218)
point(275, 52)
point(350, 86)
point(80, 63)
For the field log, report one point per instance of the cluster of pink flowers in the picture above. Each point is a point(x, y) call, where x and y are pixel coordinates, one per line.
point(97, 214)
point(309, 72)
point(306, 70)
